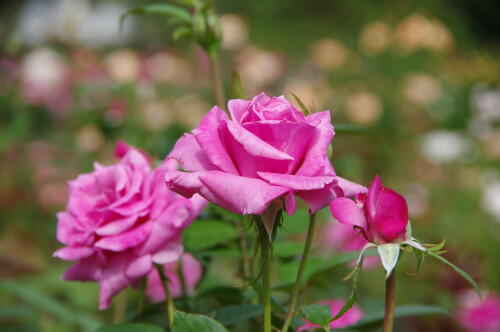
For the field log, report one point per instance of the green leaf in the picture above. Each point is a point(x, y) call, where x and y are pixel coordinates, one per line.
point(352, 298)
point(237, 89)
point(130, 327)
point(179, 13)
point(287, 248)
point(302, 106)
point(180, 32)
point(464, 274)
point(419, 255)
point(184, 322)
point(318, 314)
point(238, 313)
point(438, 246)
point(48, 305)
point(204, 234)
point(377, 319)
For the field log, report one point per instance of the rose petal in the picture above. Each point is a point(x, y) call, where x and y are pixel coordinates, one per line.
point(347, 212)
point(127, 239)
point(187, 151)
point(296, 182)
point(73, 253)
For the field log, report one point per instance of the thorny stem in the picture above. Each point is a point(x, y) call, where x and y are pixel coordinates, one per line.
point(298, 280)
point(169, 301)
point(390, 290)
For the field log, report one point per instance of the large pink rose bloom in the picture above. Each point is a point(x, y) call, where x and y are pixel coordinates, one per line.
point(191, 269)
point(381, 215)
point(477, 316)
point(351, 316)
point(120, 219)
point(266, 150)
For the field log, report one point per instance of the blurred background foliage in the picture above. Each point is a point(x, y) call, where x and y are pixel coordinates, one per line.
point(421, 77)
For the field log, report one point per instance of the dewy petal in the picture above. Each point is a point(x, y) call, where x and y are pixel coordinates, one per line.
point(238, 194)
point(127, 239)
point(296, 182)
point(187, 151)
point(348, 213)
point(254, 145)
point(208, 137)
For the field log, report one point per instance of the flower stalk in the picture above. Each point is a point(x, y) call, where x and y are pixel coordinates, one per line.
point(169, 301)
point(216, 78)
point(298, 280)
point(390, 291)
point(266, 286)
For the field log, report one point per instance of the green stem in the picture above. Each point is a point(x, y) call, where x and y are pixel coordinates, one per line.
point(169, 301)
point(390, 291)
point(217, 79)
point(120, 308)
point(266, 285)
point(245, 260)
point(298, 280)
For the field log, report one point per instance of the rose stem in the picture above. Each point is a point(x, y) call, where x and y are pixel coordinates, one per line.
point(142, 291)
point(298, 280)
point(169, 301)
point(390, 290)
point(266, 285)
point(216, 78)
point(180, 271)
point(120, 308)
point(245, 261)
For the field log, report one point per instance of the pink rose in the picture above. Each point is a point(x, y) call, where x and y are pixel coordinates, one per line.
point(477, 316)
point(191, 269)
point(119, 220)
point(351, 316)
point(381, 215)
point(266, 151)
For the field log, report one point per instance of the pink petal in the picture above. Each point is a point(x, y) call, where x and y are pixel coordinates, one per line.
point(184, 183)
point(127, 239)
point(170, 252)
point(349, 189)
point(83, 270)
point(347, 212)
point(254, 145)
point(187, 151)
point(139, 267)
point(116, 226)
point(74, 253)
point(237, 109)
point(207, 136)
point(192, 271)
point(316, 161)
point(317, 199)
point(296, 182)
point(290, 203)
point(238, 194)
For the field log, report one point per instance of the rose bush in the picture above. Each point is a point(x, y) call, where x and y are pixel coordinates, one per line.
point(119, 220)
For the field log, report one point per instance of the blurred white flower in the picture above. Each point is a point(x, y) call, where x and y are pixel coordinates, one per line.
point(422, 89)
point(329, 54)
point(234, 31)
point(363, 107)
point(444, 146)
point(123, 65)
point(485, 102)
point(491, 199)
point(258, 68)
point(417, 197)
point(93, 23)
point(375, 37)
point(419, 31)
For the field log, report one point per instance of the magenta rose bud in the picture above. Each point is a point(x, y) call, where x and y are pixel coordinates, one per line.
point(191, 269)
point(265, 151)
point(351, 316)
point(381, 214)
point(119, 220)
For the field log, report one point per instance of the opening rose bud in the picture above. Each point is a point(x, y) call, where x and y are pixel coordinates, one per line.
point(381, 214)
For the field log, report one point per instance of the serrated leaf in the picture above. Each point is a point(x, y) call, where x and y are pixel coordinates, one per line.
point(389, 254)
point(185, 322)
point(130, 327)
point(461, 272)
point(374, 320)
point(179, 13)
point(318, 314)
point(204, 234)
point(238, 313)
point(302, 106)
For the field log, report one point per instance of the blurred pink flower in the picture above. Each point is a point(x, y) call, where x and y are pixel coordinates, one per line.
point(351, 316)
point(267, 152)
point(191, 269)
point(477, 316)
point(119, 220)
point(381, 215)
point(337, 236)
